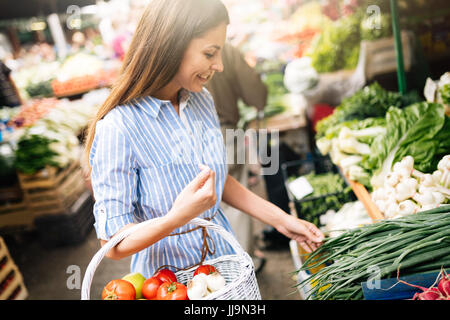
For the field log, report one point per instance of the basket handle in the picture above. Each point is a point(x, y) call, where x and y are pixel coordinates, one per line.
point(98, 257)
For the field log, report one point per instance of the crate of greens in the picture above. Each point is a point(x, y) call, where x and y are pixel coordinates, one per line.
point(315, 186)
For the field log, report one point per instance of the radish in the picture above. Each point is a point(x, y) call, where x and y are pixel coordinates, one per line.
point(428, 293)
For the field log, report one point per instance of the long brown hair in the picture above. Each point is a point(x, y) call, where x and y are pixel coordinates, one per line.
point(155, 53)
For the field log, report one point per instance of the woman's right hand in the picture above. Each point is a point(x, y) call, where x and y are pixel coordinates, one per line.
point(198, 196)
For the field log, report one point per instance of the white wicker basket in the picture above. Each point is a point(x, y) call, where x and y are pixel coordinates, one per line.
point(237, 269)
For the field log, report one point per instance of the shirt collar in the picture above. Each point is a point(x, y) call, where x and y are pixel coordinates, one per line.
point(151, 105)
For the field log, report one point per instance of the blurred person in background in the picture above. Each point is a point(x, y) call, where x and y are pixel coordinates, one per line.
point(237, 81)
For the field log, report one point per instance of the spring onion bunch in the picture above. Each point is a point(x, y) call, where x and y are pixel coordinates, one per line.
point(411, 244)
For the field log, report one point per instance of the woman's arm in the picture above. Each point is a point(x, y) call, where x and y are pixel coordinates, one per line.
point(198, 196)
point(239, 197)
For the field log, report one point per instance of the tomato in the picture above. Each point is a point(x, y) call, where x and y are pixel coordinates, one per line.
point(206, 269)
point(172, 291)
point(166, 275)
point(119, 290)
point(150, 287)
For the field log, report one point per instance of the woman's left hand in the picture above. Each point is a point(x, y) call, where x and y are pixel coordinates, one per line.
point(304, 232)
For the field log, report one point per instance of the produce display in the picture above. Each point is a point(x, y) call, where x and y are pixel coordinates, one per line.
point(277, 100)
point(164, 285)
point(337, 47)
point(418, 131)
point(351, 215)
point(408, 245)
point(77, 73)
point(46, 130)
point(373, 129)
point(370, 102)
point(329, 191)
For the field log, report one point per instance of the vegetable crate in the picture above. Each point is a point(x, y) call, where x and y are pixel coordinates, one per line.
point(52, 190)
point(311, 207)
point(75, 85)
point(12, 286)
point(67, 228)
point(13, 209)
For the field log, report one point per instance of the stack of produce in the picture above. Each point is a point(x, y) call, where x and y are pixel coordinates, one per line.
point(164, 285)
point(351, 215)
point(277, 100)
point(51, 139)
point(408, 245)
point(350, 141)
point(407, 190)
point(374, 129)
point(338, 46)
point(32, 111)
point(420, 130)
point(370, 102)
point(77, 73)
point(348, 133)
point(328, 192)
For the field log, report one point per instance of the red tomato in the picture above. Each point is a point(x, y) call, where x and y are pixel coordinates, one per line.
point(119, 290)
point(165, 275)
point(172, 291)
point(150, 287)
point(206, 269)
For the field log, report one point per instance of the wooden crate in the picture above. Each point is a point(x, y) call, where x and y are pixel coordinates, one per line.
point(12, 286)
point(13, 209)
point(14, 215)
point(52, 190)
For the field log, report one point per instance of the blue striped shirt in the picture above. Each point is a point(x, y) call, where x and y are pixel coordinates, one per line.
point(142, 157)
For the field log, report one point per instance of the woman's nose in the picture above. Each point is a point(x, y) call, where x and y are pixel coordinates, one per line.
point(218, 65)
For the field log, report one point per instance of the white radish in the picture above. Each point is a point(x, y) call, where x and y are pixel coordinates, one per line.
point(407, 207)
point(197, 287)
point(215, 281)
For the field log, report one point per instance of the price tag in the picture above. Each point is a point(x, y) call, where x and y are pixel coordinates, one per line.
point(300, 188)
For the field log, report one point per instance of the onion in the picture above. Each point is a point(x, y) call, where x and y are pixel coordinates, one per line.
point(215, 281)
point(197, 287)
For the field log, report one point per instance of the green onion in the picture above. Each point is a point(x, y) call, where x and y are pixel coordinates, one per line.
point(411, 244)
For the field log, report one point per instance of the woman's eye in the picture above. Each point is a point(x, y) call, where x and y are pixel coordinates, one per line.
point(209, 55)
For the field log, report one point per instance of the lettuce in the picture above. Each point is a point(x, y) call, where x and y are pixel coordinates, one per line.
point(413, 131)
point(370, 102)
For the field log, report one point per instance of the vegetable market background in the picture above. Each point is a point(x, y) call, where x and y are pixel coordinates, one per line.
point(369, 153)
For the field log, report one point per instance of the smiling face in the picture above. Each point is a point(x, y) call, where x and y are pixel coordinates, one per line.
point(201, 60)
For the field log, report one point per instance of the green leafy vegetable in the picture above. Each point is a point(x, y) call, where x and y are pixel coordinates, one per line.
point(337, 47)
point(445, 93)
point(411, 132)
point(330, 193)
point(34, 153)
point(370, 102)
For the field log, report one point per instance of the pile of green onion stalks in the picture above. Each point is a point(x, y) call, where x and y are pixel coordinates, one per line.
point(412, 244)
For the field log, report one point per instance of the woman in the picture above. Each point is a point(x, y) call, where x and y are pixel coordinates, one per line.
point(156, 150)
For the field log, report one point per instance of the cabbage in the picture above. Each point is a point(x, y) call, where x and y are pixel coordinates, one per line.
point(300, 76)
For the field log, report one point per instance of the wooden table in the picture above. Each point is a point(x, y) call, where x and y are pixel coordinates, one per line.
point(293, 118)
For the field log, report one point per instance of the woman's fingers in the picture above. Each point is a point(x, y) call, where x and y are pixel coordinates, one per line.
point(200, 180)
point(210, 182)
point(313, 233)
point(305, 246)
